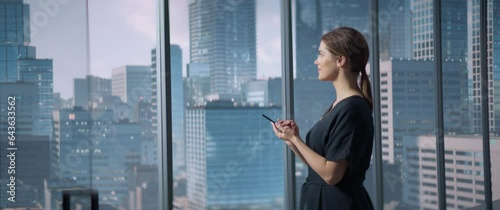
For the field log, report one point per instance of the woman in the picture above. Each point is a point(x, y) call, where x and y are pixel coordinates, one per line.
point(338, 147)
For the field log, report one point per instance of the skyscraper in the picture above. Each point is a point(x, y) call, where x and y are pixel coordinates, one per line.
point(453, 33)
point(263, 92)
point(29, 177)
point(232, 163)
point(131, 83)
point(14, 38)
point(395, 29)
point(26, 107)
point(222, 35)
point(89, 89)
point(96, 152)
point(314, 18)
point(493, 49)
point(39, 71)
point(143, 187)
point(309, 31)
point(196, 84)
point(407, 102)
point(177, 104)
point(464, 172)
point(18, 59)
point(154, 94)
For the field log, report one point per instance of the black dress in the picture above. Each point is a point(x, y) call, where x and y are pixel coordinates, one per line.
point(345, 133)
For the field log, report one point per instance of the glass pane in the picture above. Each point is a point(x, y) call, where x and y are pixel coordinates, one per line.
point(225, 60)
point(45, 148)
point(83, 123)
point(313, 97)
point(408, 104)
point(462, 105)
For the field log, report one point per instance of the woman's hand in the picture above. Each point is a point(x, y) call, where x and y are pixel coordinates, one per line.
point(285, 129)
point(291, 124)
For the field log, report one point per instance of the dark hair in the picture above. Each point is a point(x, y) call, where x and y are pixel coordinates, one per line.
point(351, 44)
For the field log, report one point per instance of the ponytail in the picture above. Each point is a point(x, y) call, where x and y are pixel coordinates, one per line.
point(366, 89)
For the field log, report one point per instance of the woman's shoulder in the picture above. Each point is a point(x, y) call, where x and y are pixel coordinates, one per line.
point(354, 103)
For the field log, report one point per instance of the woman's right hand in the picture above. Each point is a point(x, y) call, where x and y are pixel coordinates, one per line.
point(291, 124)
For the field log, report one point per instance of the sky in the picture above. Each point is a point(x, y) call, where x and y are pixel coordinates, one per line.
point(123, 32)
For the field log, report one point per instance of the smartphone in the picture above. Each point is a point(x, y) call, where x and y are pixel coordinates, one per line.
point(263, 115)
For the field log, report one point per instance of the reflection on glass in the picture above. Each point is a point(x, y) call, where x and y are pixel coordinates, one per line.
point(225, 155)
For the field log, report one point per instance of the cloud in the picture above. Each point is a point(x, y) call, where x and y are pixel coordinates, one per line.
point(140, 15)
point(263, 55)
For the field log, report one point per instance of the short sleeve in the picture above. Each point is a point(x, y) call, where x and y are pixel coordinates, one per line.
point(338, 146)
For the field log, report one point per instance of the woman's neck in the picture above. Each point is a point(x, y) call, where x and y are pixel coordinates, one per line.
point(346, 87)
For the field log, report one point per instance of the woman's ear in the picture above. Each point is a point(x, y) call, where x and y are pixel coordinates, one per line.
point(341, 61)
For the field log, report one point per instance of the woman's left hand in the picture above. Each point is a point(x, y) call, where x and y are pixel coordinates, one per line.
point(283, 131)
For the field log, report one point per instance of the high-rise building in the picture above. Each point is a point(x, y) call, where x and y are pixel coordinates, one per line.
point(177, 104)
point(234, 161)
point(154, 94)
point(96, 152)
point(29, 178)
point(143, 187)
point(89, 89)
point(149, 151)
point(408, 102)
point(453, 34)
point(131, 83)
point(196, 84)
point(395, 28)
point(14, 38)
point(112, 161)
point(81, 93)
point(308, 37)
point(39, 71)
point(263, 92)
point(24, 107)
point(464, 172)
point(314, 18)
point(222, 35)
point(493, 49)
point(72, 134)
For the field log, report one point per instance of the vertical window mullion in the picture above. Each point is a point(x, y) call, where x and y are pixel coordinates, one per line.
point(287, 96)
point(165, 112)
point(375, 66)
point(483, 14)
point(438, 77)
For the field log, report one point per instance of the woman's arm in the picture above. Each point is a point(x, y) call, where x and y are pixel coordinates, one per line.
point(331, 171)
point(297, 152)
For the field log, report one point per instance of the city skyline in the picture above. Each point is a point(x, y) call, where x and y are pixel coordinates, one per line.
point(111, 130)
point(130, 26)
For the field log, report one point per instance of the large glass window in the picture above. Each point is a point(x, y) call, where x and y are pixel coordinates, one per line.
point(76, 79)
point(225, 70)
point(311, 96)
point(462, 108)
point(80, 101)
point(407, 103)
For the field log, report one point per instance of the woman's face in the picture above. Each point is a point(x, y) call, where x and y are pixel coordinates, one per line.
point(328, 66)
